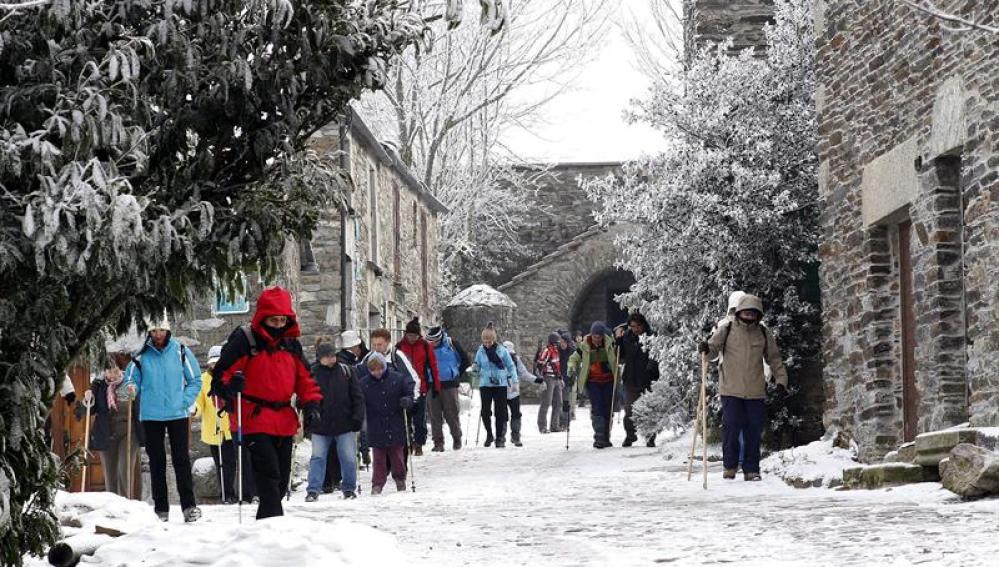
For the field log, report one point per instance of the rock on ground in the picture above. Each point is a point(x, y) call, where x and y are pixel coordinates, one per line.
point(971, 471)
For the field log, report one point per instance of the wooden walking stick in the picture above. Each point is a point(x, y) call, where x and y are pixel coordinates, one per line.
point(704, 414)
point(128, 450)
point(88, 402)
point(614, 373)
point(693, 445)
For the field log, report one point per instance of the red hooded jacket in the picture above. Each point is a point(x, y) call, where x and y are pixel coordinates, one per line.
point(421, 356)
point(276, 372)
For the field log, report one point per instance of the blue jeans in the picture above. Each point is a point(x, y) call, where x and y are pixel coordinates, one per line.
point(745, 418)
point(346, 449)
point(601, 401)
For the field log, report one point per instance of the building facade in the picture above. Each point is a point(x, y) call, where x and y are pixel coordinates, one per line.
point(909, 185)
point(370, 263)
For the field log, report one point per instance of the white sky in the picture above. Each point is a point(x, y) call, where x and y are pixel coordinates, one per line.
point(587, 124)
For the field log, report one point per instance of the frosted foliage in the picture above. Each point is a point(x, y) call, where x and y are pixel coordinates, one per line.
point(729, 204)
point(481, 295)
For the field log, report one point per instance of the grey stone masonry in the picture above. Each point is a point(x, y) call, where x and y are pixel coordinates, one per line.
point(909, 133)
point(715, 21)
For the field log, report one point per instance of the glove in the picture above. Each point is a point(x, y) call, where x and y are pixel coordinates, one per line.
point(406, 402)
point(70, 398)
point(703, 348)
point(539, 380)
point(781, 390)
point(310, 417)
point(237, 383)
point(356, 425)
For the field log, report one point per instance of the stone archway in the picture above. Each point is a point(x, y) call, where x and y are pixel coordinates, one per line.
point(564, 284)
point(595, 301)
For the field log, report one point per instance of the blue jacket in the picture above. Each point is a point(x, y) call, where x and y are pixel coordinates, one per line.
point(385, 424)
point(451, 359)
point(168, 380)
point(489, 375)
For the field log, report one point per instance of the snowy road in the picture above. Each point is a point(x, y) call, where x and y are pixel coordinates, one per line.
point(541, 504)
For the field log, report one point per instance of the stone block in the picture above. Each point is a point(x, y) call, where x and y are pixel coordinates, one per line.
point(933, 447)
point(206, 479)
point(971, 471)
point(887, 474)
point(853, 476)
point(890, 182)
point(907, 453)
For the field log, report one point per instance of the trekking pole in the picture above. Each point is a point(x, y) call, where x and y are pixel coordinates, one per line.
point(239, 454)
point(87, 403)
point(568, 423)
point(613, 400)
point(128, 450)
point(357, 461)
point(693, 445)
point(219, 435)
point(478, 429)
point(704, 414)
point(412, 462)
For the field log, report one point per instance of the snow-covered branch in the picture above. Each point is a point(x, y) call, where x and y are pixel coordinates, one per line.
point(959, 24)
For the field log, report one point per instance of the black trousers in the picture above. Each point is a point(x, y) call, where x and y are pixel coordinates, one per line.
point(178, 431)
point(514, 406)
point(495, 397)
point(333, 474)
point(270, 457)
point(229, 463)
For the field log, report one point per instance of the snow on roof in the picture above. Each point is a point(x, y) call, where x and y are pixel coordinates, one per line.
point(481, 295)
point(129, 342)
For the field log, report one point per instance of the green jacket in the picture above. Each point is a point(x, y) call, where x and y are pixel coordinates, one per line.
point(579, 362)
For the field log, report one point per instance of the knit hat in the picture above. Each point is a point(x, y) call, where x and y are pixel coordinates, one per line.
point(508, 345)
point(214, 354)
point(325, 349)
point(565, 335)
point(350, 339)
point(414, 326)
point(598, 328)
point(553, 338)
point(162, 324)
point(435, 334)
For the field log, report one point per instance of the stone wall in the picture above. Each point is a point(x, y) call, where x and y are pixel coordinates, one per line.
point(909, 131)
point(714, 21)
point(562, 210)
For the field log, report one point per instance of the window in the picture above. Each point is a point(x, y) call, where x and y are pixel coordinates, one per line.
point(373, 211)
point(232, 301)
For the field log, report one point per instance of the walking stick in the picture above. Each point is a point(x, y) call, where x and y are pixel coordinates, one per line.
point(412, 462)
point(239, 454)
point(693, 445)
point(704, 414)
point(219, 435)
point(568, 424)
point(357, 461)
point(128, 449)
point(610, 417)
point(87, 403)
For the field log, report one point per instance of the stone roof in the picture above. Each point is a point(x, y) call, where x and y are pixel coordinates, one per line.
point(559, 252)
point(481, 294)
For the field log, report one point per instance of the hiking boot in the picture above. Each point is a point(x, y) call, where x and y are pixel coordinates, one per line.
point(418, 450)
point(457, 444)
point(349, 495)
point(163, 516)
point(729, 474)
point(330, 488)
point(543, 430)
point(489, 440)
point(400, 485)
point(192, 514)
point(366, 458)
point(629, 441)
point(517, 443)
point(375, 490)
point(500, 443)
point(438, 448)
point(651, 442)
point(312, 497)
point(751, 476)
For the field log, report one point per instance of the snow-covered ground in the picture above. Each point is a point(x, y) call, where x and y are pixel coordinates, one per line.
point(544, 505)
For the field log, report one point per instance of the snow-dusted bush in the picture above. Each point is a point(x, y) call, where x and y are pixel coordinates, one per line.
point(730, 204)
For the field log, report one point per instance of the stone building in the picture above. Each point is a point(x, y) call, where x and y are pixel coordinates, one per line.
point(714, 21)
point(370, 264)
point(910, 194)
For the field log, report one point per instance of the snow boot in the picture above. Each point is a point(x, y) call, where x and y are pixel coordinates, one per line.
point(651, 441)
point(400, 485)
point(516, 443)
point(163, 516)
point(729, 474)
point(501, 435)
point(500, 443)
point(751, 476)
point(457, 444)
point(438, 448)
point(192, 514)
point(489, 432)
point(312, 497)
point(543, 431)
point(417, 450)
point(349, 495)
point(376, 490)
point(629, 440)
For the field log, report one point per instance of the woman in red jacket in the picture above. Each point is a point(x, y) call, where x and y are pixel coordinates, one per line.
point(264, 362)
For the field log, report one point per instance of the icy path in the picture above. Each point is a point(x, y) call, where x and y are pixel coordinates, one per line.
point(541, 504)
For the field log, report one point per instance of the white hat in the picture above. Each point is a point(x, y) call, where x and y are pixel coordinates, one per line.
point(350, 339)
point(162, 323)
point(734, 299)
point(214, 354)
point(509, 346)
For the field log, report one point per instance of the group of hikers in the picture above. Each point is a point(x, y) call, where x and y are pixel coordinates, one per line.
point(373, 403)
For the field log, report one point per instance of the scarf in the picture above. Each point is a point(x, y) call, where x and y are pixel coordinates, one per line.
point(494, 357)
point(112, 389)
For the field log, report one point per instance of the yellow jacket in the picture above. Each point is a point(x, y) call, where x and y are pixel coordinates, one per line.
point(205, 407)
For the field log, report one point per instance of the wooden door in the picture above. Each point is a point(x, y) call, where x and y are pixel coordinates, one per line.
point(910, 395)
point(68, 433)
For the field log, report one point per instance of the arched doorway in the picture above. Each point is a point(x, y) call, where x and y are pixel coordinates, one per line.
point(596, 300)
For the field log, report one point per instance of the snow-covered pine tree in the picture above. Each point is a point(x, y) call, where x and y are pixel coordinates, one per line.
point(730, 204)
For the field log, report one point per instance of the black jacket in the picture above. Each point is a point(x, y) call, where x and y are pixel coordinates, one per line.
point(342, 408)
point(101, 430)
point(640, 371)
